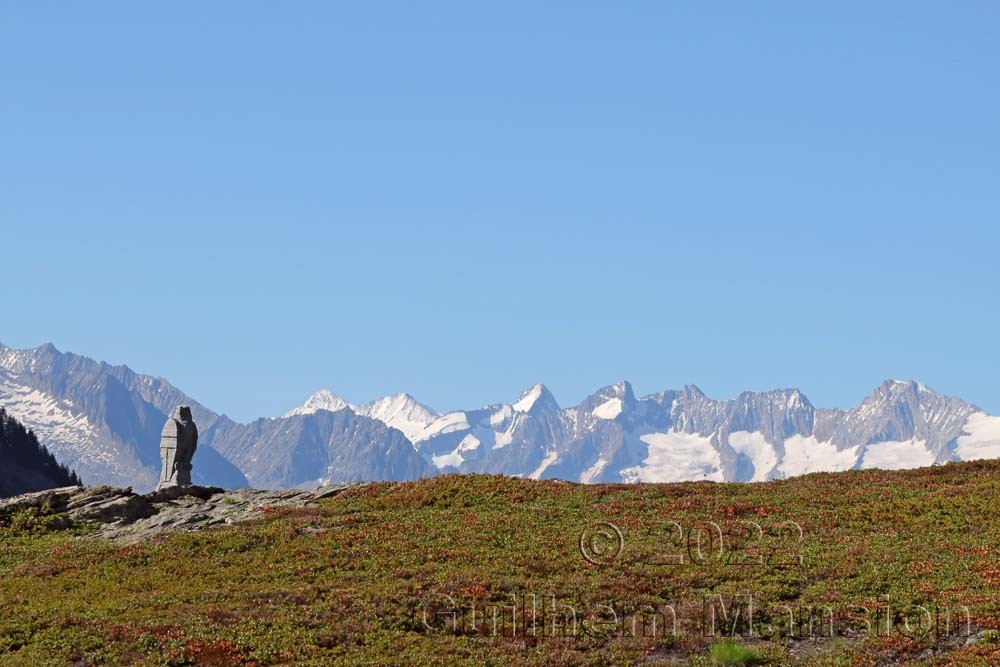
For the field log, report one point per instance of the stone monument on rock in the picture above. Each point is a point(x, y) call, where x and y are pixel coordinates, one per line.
point(178, 442)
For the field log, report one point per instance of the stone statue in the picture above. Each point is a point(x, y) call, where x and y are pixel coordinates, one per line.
point(178, 441)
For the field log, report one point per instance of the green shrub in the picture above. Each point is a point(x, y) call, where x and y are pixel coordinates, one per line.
point(732, 654)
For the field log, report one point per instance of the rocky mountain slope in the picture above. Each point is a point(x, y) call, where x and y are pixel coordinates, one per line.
point(104, 421)
point(306, 450)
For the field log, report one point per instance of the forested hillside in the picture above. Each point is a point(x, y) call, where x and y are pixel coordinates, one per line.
point(25, 464)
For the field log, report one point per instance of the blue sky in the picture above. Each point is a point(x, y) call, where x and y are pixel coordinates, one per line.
point(256, 201)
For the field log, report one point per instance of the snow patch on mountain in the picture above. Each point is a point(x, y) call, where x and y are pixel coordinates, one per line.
point(64, 430)
point(449, 423)
point(893, 455)
point(502, 439)
point(593, 471)
point(456, 457)
point(550, 458)
point(609, 409)
point(676, 457)
point(805, 454)
point(20, 361)
point(501, 415)
point(981, 438)
point(757, 450)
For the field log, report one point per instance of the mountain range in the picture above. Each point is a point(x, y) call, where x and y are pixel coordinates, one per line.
point(104, 422)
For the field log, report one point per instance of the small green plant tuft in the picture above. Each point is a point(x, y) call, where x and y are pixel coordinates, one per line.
point(989, 637)
point(733, 654)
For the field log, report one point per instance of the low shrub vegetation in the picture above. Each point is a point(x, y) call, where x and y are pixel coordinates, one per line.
point(889, 568)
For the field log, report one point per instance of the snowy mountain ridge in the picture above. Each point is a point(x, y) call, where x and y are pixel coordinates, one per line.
point(104, 421)
point(676, 435)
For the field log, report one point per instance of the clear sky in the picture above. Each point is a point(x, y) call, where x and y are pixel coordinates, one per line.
point(256, 199)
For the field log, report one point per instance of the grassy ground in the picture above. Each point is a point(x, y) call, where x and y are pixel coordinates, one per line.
point(352, 582)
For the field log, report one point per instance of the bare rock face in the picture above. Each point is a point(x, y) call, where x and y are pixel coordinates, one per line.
point(121, 516)
point(321, 448)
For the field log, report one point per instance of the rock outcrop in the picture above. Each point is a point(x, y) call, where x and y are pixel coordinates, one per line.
point(119, 515)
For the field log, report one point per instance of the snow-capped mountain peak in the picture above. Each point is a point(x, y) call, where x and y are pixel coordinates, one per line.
point(324, 399)
point(908, 384)
point(400, 411)
point(537, 397)
point(895, 390)
point(609, 402)
point(399, 404)
point(528, 398)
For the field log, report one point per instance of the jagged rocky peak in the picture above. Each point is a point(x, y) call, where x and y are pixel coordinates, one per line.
point(777, 414)
point(900, 389)
point(784, 403)
point(692, 393)
point(693, 412)
point(663, 398)
point(908, 400)
point(688, 398)
point(27, 360)
point(900, 410)
point(793, 398)
point(536, 398)
point(776, 399)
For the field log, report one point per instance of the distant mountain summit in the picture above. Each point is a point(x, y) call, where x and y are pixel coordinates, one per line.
point(324, 399)
point(26, 464)
point(400, 411)
point(97, 418)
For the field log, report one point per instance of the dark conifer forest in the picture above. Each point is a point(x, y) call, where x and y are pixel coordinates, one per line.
point(25, 464)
